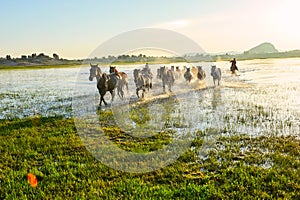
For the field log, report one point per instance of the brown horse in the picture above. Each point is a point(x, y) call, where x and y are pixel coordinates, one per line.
point(201, 73)
point(123, 80)
point(105, 82)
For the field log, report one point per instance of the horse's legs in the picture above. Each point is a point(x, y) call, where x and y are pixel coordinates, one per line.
point(120, 92)
point(170, 85)
point(112, 92)
point(120, 89)
point(137, 92)
point(143, 94)
point(102, 99)
point(164, 87)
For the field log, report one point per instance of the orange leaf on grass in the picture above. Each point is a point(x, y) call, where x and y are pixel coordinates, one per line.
point(32, 180)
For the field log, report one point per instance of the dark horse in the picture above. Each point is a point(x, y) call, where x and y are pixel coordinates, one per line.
point(167, 77)
point(105, 82)
point(123, 80)
point(142, 82)
point(233, 67)
point(188, 75)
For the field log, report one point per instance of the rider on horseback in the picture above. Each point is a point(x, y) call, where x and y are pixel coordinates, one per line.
point(147, 71)
point(233, 66)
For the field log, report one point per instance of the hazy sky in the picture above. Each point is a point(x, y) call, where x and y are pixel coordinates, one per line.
point(74, 28)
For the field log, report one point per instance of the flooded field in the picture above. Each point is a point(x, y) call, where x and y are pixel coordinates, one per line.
point(262, 99)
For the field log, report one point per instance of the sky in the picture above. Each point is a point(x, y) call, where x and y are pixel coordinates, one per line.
point(74, 28)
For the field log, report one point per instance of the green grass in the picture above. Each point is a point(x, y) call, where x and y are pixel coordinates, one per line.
point(51, 149)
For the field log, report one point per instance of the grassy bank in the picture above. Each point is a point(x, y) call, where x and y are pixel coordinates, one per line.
point(237, 167)
point(4, 67)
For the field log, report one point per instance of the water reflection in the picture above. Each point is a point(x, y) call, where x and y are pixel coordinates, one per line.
point(273, 87)
point(216, 98)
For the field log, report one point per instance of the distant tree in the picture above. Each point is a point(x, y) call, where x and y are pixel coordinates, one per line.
point(111, 58)
point(23, 57)
point(41, 55)
point(55, 56)
point(33, 55)
point(8, 57)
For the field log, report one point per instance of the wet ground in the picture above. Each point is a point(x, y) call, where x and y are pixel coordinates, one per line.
point(261, 99)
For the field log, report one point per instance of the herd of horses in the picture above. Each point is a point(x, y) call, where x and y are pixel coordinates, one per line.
point(116, 80)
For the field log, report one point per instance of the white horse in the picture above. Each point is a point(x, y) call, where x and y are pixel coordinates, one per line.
point(216, 74)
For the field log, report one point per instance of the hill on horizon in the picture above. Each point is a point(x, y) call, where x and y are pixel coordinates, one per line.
point(263, 48)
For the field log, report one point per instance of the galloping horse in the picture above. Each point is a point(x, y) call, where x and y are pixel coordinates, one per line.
point(194, 71)
point(167, 77)
point(188, 75)
point(177, 73)
point(201, 73)
point(141, 81)
point(105, 82)
point(123, 82)
point(216, 74)
point(233, 67)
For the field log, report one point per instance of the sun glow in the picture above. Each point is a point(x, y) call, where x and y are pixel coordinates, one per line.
point(178, 24)
point(151, 52)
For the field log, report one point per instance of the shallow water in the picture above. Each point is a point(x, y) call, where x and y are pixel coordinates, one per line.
point(262, 99)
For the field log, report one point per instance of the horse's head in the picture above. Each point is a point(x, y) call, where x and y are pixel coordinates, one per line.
point(199, 68)
point(95, 71)
point(213, 68)
point(188, 69)
point(163, 70)
point(112, 69)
